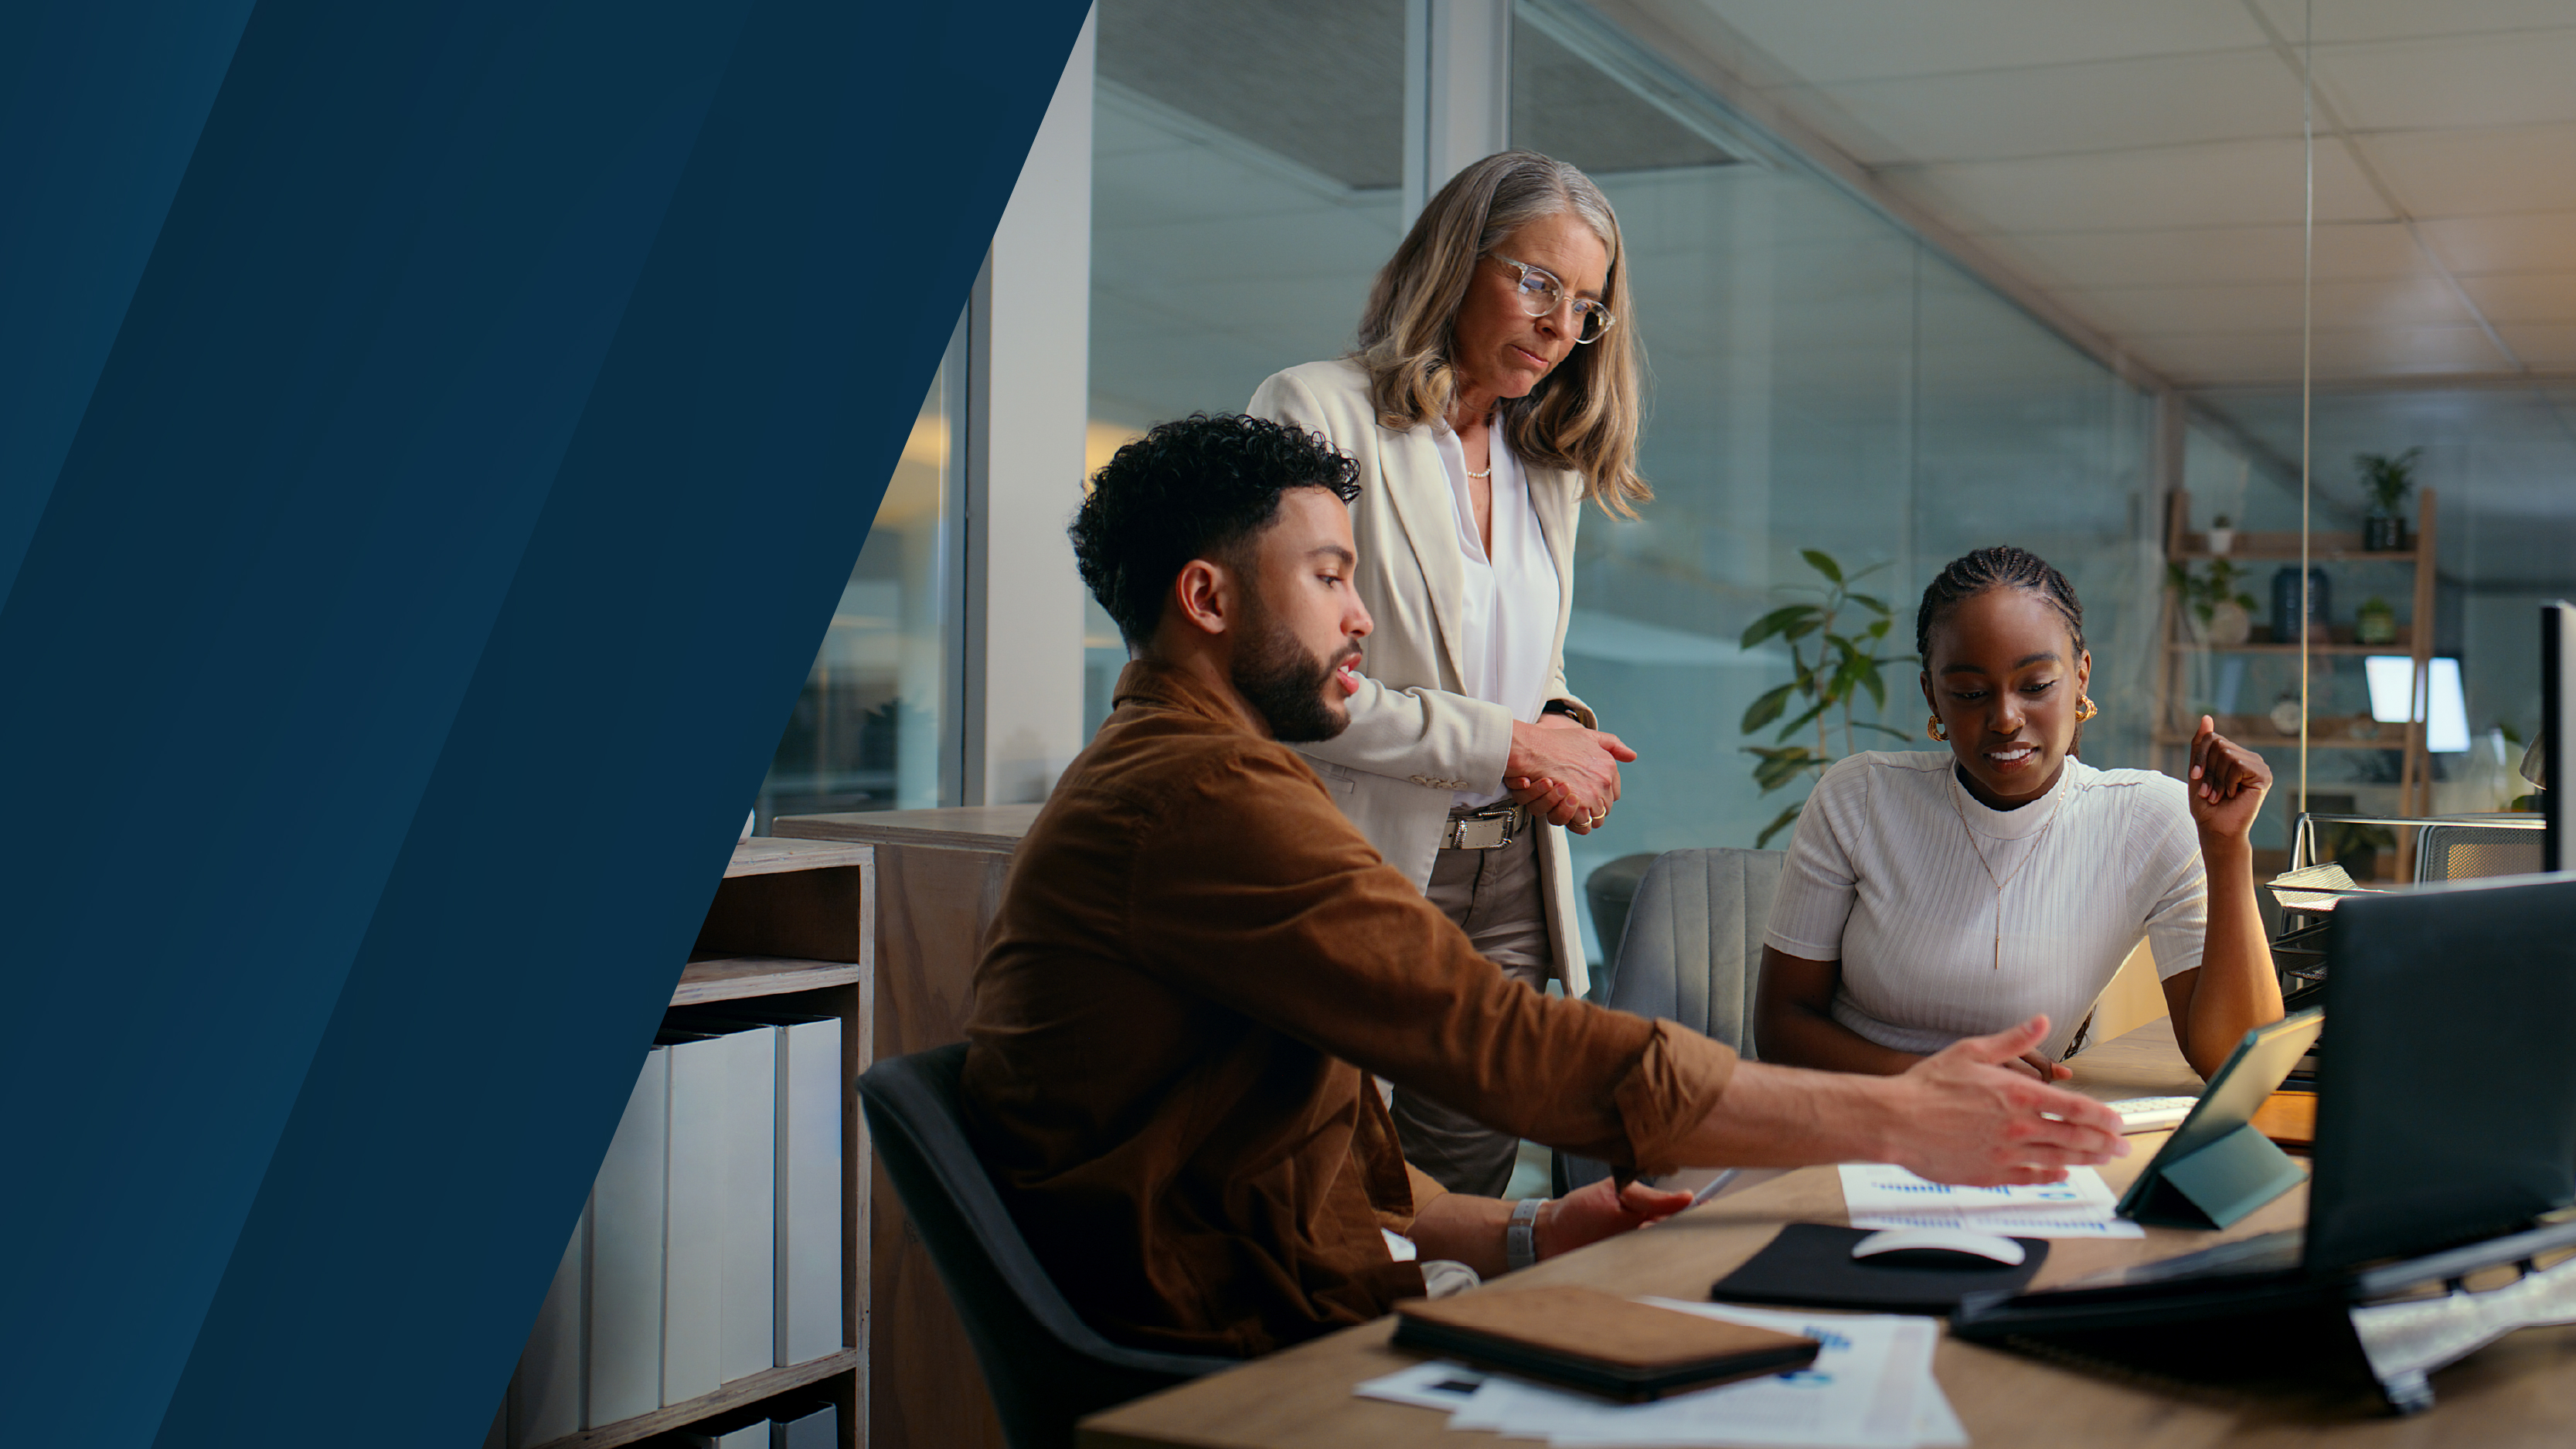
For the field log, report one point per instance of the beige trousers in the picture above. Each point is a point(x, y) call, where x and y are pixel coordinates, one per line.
point(1494, 896)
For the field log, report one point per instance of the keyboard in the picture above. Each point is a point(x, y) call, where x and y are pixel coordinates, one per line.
point(2152, 1114)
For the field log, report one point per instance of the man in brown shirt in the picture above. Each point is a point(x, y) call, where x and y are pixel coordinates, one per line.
point(1199, 962)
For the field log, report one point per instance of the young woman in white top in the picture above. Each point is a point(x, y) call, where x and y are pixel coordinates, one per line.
point(1933, 896)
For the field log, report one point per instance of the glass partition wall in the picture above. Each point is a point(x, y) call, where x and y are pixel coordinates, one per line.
point(872, 729)
point(1820, 380)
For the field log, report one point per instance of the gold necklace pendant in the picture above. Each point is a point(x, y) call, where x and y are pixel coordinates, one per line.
point(1988, 866)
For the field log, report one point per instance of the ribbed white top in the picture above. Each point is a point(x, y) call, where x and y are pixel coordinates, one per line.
point(1883, 876)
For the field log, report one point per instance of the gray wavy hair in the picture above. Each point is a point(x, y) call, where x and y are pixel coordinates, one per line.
point(1583, 415)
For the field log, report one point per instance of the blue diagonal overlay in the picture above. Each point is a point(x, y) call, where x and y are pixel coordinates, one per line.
point(441, 545)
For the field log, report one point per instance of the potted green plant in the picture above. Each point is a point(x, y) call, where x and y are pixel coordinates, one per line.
point(2387, 478)
point(2375, 622)
point(2216, 607)
point(2222, 535)
point(1845, 667)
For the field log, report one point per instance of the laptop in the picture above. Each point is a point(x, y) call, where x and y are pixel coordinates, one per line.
point(2446, 1115)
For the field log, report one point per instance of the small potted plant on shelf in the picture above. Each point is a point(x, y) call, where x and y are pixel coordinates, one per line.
point(2387, 478)
point(2216, 608)
point(2222, 535)
point(2375, 622)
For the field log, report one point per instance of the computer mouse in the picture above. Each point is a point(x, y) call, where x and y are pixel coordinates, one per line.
point(1937, 1248)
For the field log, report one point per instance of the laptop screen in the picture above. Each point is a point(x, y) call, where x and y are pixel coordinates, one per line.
point(2446, 1096)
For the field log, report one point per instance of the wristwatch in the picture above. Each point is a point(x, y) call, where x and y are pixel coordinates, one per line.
point(1520, 1240)
point(1558, 706)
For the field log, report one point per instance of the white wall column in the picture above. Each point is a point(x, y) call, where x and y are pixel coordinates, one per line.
point(1030, 335)
point(1458, 91)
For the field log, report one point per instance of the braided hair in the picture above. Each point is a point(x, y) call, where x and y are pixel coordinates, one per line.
point(2000, 567)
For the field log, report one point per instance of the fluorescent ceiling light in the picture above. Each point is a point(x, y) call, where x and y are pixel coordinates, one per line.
point(2446, 731)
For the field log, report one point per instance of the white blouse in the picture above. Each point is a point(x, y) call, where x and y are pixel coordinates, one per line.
point(1507, 629)
point(1884, 875)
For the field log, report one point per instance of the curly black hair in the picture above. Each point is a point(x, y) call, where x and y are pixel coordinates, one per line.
point(2000, 567)
point(1201, 487)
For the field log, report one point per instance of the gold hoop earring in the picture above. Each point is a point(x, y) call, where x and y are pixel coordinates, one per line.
point(1933, 728)
point(2085, 709)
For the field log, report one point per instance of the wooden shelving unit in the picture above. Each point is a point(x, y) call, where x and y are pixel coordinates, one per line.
point(794, 923)
point(2326, 549)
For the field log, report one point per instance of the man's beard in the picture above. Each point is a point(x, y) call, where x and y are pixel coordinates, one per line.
point(1285, 685)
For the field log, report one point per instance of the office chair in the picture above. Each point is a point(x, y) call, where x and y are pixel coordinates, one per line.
point(2463, 852)
point(1609, 892)
point(1045, 1366)
point(1691, 953)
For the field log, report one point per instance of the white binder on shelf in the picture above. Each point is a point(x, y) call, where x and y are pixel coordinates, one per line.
point(626, 1227)
point(809, 1191)
point(748, 1325)
point(544, 1401)
point(694, 1233)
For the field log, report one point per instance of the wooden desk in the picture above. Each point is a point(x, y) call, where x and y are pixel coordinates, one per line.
point(2519, 1391)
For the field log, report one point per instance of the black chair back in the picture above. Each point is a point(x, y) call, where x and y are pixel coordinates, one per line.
point(1045, 1366)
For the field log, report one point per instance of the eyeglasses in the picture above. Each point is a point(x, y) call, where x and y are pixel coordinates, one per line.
point(1541, 294)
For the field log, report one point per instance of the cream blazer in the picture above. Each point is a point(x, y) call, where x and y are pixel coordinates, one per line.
point(1415, 740)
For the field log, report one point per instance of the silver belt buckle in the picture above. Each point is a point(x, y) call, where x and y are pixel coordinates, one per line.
point(1484, 830)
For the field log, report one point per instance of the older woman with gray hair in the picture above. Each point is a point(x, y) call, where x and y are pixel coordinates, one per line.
point(1494, 390)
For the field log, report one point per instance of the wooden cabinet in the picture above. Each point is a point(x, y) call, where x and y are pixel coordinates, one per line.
point(794, 926)
point(939, 877)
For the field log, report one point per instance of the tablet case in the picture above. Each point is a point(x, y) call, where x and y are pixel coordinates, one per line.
point(2218, 1166)
point(1587, 1339)
point(1809, 1265)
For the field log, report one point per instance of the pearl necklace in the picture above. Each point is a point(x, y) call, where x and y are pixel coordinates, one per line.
point(2060, 803)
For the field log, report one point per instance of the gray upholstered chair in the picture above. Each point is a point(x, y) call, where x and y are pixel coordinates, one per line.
point(1692, 953)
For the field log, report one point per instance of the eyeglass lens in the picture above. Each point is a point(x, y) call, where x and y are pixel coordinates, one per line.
point(1540, 295)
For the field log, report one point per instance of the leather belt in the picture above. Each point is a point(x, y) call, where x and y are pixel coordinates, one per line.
point(1489, 828)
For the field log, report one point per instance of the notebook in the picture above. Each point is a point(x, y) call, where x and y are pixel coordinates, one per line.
point(1586, 1339)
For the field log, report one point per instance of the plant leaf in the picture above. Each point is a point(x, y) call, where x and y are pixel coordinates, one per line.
point(1787, 817)
point(1863, 724)
point(1766, 709)
point(1823, 563)
point(1773, 622)
point(1873, 568)
point(1876, 686)
point(1869, 602)
point(1803, 627)
point(1823, 703)
point(1879, 629)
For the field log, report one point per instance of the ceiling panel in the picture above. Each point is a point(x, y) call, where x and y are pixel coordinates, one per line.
point(2145, 312)
point(2525, 296)
point(2531, 242)
point(2216, 254)
point(2096, 106)
point(2480, 172)
point(2541, 344)
point(2350, 20)
point(2233, 183)
point(1837, 40)
point(2273, 357)
point(2483, 80)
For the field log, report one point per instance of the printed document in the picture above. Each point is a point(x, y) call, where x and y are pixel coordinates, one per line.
point(1883, 1195)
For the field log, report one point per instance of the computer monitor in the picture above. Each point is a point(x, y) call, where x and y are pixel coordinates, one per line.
point(2557, 719)
point(2446, 1103)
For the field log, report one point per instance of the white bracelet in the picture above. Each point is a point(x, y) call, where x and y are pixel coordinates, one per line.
point(1520, 1239)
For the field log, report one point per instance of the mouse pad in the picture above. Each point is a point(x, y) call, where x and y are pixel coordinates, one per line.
point(1809, 1265)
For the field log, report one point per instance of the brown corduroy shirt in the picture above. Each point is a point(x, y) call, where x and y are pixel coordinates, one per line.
point(1197, 964)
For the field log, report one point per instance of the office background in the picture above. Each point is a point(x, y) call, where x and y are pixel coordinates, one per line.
point(1911, 279)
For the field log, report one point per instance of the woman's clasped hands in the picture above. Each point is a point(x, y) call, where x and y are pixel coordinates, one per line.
point(1566, 773)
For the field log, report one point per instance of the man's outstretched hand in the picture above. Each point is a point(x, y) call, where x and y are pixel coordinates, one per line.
point(1975, 1116)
